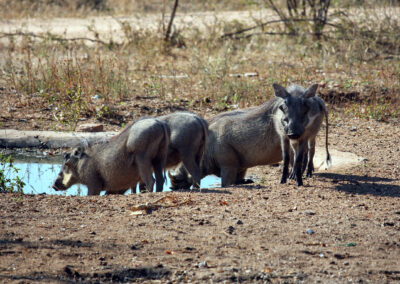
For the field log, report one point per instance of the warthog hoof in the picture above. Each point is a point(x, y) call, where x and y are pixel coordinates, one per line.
point(245, 181)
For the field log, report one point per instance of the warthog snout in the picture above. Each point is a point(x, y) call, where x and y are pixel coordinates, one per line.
point(293, 136)
point(59, 182)
point(57, 185)
point(294, 130)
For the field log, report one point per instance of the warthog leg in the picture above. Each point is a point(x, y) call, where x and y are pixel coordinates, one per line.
point(193, 168)
point(94, 188)
point(145, 171)
point(158, 172)
point(228, 176)
point(310, 156)
point(298, 161)
point(286, 160)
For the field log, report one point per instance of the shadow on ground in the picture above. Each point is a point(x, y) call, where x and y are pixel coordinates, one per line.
point(70, 273)
point(354, 184)
point(203, 190)
point(116, 275)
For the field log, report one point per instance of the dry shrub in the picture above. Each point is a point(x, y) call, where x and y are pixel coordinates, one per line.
point(357, 67)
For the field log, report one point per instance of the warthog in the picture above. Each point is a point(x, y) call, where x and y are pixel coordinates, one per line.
point(261, 135)
point(301, 134)
point(120, 163)
point(189, 134)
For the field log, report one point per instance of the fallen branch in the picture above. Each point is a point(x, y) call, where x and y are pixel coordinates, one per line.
point(281, 34)
point(52, 37)
point(261, 26)
point(148, 207)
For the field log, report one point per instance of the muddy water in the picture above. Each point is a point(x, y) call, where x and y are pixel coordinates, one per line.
point(39, 173)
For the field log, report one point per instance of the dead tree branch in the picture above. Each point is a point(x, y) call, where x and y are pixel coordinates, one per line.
point(171, 20)
point(262, 25)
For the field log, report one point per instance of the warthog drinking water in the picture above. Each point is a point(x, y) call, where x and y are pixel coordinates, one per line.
point(120, 163)
point(189, 134)
point(255, 136)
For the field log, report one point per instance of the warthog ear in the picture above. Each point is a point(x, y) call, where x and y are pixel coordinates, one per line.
point(310, 91)
point(280, 91)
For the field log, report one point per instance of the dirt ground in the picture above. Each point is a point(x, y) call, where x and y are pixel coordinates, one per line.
point(340, 227)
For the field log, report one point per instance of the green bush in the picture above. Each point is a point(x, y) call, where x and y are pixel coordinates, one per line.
point(8, 184)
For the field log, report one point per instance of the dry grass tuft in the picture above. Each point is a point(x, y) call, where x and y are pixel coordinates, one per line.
point(358, 68)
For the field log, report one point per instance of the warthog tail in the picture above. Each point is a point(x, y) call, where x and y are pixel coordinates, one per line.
point(204, 126)
point(328, 156)
point(167, 137)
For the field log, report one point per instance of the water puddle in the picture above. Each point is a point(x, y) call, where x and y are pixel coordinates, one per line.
point(39, 172)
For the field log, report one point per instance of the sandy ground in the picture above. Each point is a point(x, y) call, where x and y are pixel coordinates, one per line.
point(342, 226)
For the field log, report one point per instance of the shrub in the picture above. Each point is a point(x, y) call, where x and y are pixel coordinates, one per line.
point(8, 183)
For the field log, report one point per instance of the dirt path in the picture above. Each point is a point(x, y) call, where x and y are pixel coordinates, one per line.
point(109, 28)
point(340, 227)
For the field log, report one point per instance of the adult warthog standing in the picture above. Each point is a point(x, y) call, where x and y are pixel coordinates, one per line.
point(120, 163)
point(262, 135)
